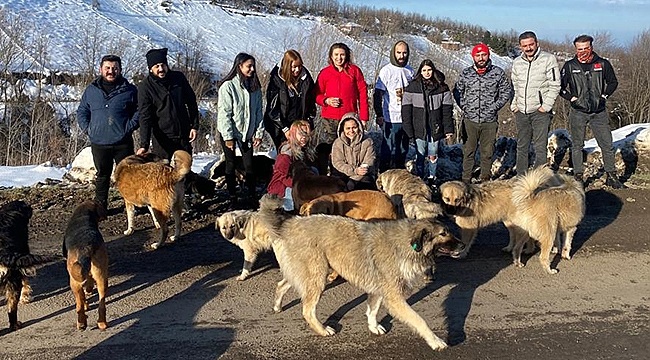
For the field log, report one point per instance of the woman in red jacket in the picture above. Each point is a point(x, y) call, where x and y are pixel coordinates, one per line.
point(296, 147)
point(340, 89)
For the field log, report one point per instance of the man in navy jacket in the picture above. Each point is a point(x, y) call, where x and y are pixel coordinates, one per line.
point(108, 115)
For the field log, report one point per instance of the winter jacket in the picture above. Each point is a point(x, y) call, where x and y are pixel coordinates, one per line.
point(239, 112)
point(167, 107)
point(481, 96)
point(347, 155)
point(284, 106)
point(348, 85)
point(591, 83)
point(427, 110)
point(536, 83)
point(108, 119)
point(281, 179)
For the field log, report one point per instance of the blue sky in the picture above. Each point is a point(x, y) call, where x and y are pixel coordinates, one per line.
point(555, 20)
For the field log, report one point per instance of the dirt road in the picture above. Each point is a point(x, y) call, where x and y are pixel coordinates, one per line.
point(183, 302)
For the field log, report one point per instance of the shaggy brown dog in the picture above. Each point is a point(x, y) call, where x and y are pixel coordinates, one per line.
point(242, 228)
point(383, 258)
point(409, 193)
point(16, 263)
point(87, 260)
point(307, 185)
point(548, 206)
point(476, 206)
point(357, 204)
point(155, 185)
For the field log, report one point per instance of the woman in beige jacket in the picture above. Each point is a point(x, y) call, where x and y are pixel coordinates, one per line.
point(353, 154)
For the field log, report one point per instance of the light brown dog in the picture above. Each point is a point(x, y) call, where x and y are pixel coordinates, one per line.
point(307, 186)
point(242, 228)
point(476, 206)
point(549, 206)
point(383, 258)
point(357, 204)
point(156, 185)
point(87, 260)
point(409, 193)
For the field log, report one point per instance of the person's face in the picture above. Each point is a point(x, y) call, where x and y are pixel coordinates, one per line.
point(247, 68)
point(426, 72)
point(350, 129)
point(160, 70)
point(583, 49)
point(296, 68)
point(401, 53)
point(528, 46)
point(302, 136)
point(110, 71)
point(480, 59)
point(338, 57)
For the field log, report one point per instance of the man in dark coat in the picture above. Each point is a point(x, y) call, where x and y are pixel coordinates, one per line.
point(168, 108)
point(108, 114)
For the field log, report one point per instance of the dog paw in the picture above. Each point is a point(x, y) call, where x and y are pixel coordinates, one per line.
point(242, 277)
point(329, 331)
point(277, 309)
point(566, 254)
point(155, 245)
point(518, 264)
point(377, 330)
point(128, 231)
point(102, 325)
point(552, 271)
point(17, 326)
point(81, 326)
point(438, 345)
point(554, 250)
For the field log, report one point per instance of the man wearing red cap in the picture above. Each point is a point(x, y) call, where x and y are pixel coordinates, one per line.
point(587, 81)
point(536, 81)
point(481, 91)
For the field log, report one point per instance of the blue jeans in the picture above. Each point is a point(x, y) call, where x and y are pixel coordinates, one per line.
point(394, 148)
point(426, 157)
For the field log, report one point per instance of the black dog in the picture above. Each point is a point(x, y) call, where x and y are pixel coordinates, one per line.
point(16, 263)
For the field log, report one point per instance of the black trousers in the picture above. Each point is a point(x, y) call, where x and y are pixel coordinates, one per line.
point(165, 147)
point(246, 149)
point(103, 157)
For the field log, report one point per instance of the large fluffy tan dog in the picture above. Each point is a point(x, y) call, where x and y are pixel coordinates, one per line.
point(156, 185)
point(242, 228)
point(548, 206)
point(357, 204)
point(383, 258)
point(411, 195)
point(476, 206)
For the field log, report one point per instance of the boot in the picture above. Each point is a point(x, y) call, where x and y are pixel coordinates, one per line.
point(613, 182)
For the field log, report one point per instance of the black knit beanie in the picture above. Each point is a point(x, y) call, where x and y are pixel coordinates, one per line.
point(156, 56)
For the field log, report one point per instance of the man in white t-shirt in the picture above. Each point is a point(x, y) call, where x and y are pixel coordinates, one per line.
point(387, 103)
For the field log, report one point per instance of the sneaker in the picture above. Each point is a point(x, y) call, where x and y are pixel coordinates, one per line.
point(613, 182)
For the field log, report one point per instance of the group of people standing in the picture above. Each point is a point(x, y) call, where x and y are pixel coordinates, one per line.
point(411, 107)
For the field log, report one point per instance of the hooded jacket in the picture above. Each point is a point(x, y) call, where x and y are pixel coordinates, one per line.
point(536, 83)
point(167, 107)
point(348, 85)
point(284, 106)
point(108, 119)
point(482, 96)
point(347, 155)
point(239, 112)
point(393, 76)
point(590, 83)
point(427, 110)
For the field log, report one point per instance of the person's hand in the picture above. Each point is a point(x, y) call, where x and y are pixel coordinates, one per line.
point(193, 134)
point(257, 142)
point(380, 120)
point(230, 144)
point(333, 102)
point(140, 151)
point(361, 170)
point(541, 109)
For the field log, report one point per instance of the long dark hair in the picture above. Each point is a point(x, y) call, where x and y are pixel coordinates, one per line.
point(346, 49)
point(251, 84)
point(437, 77)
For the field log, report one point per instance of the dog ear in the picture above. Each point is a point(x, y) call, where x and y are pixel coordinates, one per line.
point(419, 239)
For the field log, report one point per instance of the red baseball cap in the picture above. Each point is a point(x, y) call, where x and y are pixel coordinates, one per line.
point(480, 47)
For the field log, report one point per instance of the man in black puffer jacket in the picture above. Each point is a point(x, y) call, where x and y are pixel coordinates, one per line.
point(587, 81)
point(168, 108)
point(108, 114)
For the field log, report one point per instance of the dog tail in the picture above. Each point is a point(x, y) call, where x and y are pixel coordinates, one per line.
point(272, 214)
point(80, 270)
point(25, 262)
point(541, 179)
point(182, 164)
